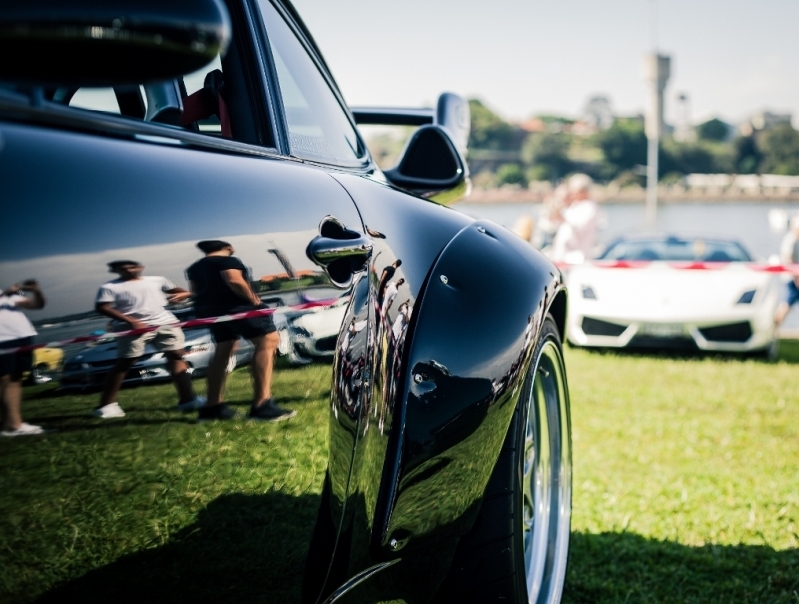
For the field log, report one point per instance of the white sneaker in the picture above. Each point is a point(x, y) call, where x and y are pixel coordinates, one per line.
point(192, 405)
point(23, 430)
point(108, 411)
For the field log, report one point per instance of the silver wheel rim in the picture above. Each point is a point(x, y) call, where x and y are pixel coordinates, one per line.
point(546, 478)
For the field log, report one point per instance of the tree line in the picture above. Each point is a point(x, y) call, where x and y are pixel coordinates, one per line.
point(504, 153)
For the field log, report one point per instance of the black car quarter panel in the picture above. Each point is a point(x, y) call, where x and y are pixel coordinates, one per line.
point(475, 327)
point(74, 202)
point(407, 234)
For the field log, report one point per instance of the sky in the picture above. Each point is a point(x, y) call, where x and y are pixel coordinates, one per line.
point(526, 57)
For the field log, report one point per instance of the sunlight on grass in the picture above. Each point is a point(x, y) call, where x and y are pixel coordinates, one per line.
point(683, 452)
point(685, 489)
point(94, 490)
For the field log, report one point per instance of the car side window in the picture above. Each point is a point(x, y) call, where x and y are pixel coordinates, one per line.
point(96, 99)
point(319, 128)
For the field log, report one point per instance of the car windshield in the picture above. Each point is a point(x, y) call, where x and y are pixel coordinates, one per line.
point(676, 249)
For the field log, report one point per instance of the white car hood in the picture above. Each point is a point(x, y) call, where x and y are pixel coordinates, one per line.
point(659, 292)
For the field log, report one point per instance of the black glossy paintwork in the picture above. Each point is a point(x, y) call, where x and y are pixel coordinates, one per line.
point(471, 343)
point(76, 202)
point(409, 458)
point(368, 367)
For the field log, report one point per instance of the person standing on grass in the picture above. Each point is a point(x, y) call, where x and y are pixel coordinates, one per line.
point(133, 301)
point(789, 254)
point(221, 286)
point(576, 236)
point(16, 331)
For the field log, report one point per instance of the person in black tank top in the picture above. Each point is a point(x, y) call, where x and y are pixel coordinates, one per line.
point(220, 284)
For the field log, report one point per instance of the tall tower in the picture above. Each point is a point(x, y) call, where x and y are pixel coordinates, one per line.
point(657, 69)
point(684, 131)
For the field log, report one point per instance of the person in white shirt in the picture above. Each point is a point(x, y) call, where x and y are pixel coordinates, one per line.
point(576, 236)
point(134, 301)
point(16, 331)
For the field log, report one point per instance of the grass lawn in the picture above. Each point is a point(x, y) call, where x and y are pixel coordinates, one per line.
point(685, 489)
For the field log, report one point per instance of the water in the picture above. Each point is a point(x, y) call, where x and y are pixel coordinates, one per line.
point(748, 222)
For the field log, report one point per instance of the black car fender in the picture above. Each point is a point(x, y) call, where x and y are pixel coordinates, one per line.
point(474, 328)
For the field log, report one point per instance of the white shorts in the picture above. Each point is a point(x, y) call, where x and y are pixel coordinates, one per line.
point(164, 339)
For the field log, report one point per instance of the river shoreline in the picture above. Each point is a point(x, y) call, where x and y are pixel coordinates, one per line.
point(539, 192)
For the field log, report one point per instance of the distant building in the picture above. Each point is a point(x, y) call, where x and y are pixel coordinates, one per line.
point(765, 120)
point(598, 113)
point(683, 130)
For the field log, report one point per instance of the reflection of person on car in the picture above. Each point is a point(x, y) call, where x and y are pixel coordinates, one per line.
point(16, 331)
point(401, 322)
point(221, 286)
point(390, 294)
point(135, 302)
point(385, 277)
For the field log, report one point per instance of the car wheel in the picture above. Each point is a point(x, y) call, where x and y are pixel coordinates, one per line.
point(518, 548)
point(40, 374)
point(231, 364)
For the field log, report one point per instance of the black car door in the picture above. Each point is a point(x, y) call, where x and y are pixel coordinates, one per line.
point(102, 187)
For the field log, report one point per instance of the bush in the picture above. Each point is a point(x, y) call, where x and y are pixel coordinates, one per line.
point(511, 174)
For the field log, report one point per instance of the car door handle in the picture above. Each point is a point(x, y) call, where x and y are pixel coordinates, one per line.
point(337, 242)
point(342, 252)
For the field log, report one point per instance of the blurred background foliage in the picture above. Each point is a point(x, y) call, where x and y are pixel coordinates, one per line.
point(549, 147)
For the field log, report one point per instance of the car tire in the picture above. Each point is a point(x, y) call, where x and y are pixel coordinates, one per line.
point(40, 374)
point(518, 547)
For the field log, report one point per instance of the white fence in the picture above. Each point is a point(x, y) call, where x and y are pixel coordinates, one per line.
point(746, 183)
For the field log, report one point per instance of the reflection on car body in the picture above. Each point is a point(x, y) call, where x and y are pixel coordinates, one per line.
point(449, 404)
point(88, 368)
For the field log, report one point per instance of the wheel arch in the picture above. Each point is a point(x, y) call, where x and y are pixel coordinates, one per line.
point(558, 311)
point(475, 327)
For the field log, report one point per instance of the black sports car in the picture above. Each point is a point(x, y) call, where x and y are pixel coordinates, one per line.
point(135, 129)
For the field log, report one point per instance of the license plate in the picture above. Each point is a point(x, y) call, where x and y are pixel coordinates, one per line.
point(661, 330)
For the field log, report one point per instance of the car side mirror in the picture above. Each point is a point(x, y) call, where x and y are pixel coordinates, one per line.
point(109, 43)
point(431, 166)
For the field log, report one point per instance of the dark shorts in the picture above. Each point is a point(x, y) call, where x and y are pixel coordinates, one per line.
point(791, 293)
point(18, 362)
point(248, 329)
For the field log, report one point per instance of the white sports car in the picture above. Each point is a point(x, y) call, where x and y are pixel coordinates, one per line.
point(673, 292)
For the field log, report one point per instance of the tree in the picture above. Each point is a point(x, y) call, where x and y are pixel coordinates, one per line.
point(695, 158)
point(780, 150)
point(623, 146)
point(713, 130)
point(488, 130)
point(747, 155)
point(549, 150)
point(511, 174)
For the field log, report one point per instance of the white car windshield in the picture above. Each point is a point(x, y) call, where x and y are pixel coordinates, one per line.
point(676, 250)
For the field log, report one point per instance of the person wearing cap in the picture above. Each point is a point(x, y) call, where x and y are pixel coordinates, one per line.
point(16, 331)
point(221, 286)
point(576, 236)
point(134, 301)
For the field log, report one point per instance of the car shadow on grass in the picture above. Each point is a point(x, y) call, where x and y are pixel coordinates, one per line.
point(625, 567)
point(242, 548)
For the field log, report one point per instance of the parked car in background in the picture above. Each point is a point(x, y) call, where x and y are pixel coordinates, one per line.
point(162, 124)
point(669, 291)
point(46, 365)
point(313, 333)
point(87, 369)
